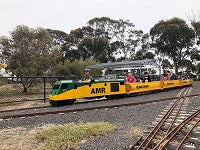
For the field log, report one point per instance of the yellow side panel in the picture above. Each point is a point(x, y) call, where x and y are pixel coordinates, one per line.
point(129, 87)
point(97, 89)
point(102, 89)
point(171, 83)
point(142, 87)
point(78, 93)
point(186, 82)
point(63, 96)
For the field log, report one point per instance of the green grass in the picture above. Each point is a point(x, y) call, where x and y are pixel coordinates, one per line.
point(70, 136)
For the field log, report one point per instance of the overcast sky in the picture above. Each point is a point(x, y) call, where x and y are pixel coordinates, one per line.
point(66, 15)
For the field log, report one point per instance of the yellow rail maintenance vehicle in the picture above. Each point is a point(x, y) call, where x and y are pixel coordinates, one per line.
point(67, 91)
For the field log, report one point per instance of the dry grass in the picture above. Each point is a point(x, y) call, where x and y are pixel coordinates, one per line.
point(134, 132)
point(19, 139)
point(20, 105)
point(52, 136)
point(10, 89)
point(16, 89)
point(13, 92)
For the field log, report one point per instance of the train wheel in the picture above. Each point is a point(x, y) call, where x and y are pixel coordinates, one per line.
point(108, 97)
point(67, 102)
point(54, 103)
point(115, 96)
point(60, 103)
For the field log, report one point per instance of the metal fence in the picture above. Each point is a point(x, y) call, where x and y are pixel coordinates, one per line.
point(18, 89)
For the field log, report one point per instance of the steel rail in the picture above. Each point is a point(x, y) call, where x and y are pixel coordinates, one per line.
point(141, 138)
point(159, 124)
point(179, 109)
point(152, 134)
point(83, 109)
point(173, 132)
point(19, 109)
point(187, 134)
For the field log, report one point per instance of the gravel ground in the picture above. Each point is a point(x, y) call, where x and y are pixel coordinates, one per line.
point(140, 98)
point(194, 102)
point(195, 87)
point(125, 118)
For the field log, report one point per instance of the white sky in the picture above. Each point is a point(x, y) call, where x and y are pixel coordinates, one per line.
point(66, 15)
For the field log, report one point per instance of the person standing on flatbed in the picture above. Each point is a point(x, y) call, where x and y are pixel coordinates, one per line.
point(87, 77)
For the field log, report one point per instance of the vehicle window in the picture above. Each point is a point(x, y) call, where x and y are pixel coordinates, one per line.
point(64, 86)
point(56, 86)
point(114, 87)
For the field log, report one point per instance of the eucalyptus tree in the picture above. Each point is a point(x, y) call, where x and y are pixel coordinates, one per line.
point(102, 39)
point(194, 18)
point(128, 37)
point(196, 26)
point(139, 55)
point(187, 65)
point(173, 38)
point(73, 48)
point(196, 53)
point(195, 56)
point(198, 69)
point(57, 36)
point(102, 27)
point(166, 64)
point(143, 49)
point(28, 52)
point(96, 47)
point(121, 34)
point(83, 43)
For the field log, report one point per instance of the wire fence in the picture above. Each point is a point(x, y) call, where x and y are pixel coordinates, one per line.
point(23, 89)
point(19, 89)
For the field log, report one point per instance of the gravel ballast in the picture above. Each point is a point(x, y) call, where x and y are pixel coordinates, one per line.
point(125, 118)
point(138, 98)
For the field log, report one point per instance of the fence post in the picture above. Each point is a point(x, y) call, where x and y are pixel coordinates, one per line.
point(44, 79)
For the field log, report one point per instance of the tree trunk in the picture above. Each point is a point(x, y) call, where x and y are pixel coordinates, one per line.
point(25, 90)
point(176, 68)
point(26, 82)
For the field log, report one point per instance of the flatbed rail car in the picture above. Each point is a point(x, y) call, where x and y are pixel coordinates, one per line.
point(67, 91)
point(155, 86)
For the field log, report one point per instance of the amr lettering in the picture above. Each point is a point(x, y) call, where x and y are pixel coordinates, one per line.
point(98, 90)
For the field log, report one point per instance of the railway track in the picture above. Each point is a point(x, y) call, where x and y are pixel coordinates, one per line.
point(173, 129)
point(87, 101)
point(79, 109)
point(24, 115)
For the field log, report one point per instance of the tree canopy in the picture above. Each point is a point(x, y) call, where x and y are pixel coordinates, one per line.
point(103, 39)
point(34, 52)
point(174, 39)
point(28, 52)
